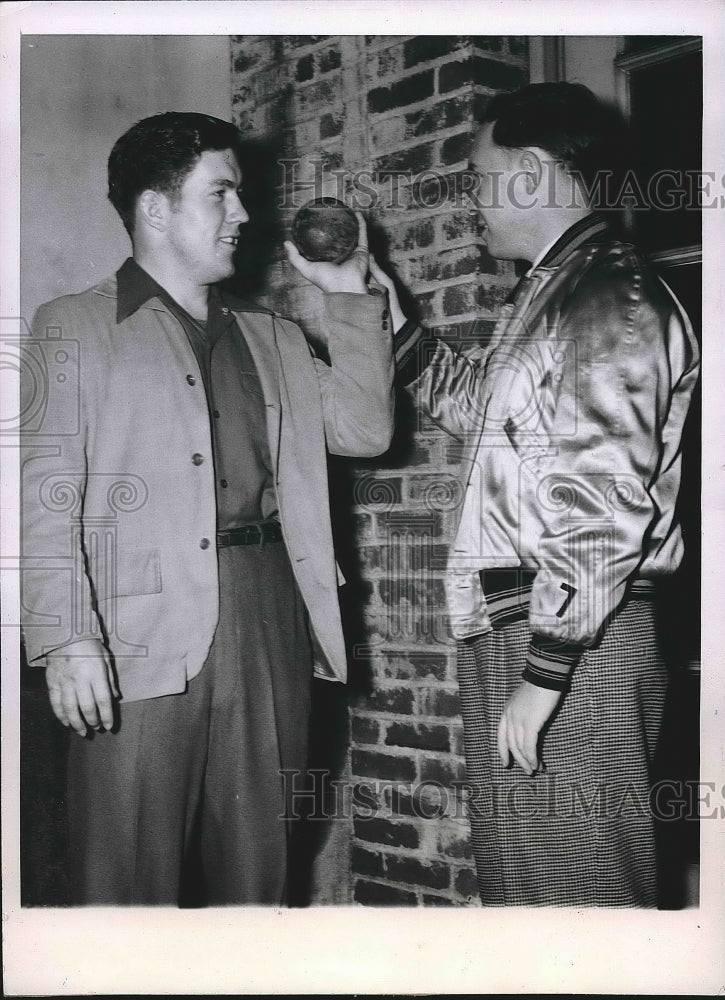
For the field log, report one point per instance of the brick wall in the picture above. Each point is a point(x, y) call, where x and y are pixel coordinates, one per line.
point(384, 121)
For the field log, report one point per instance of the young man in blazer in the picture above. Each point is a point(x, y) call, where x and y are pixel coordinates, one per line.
point(179, 578)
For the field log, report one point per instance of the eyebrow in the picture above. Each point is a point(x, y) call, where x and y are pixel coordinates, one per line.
point(225, 182)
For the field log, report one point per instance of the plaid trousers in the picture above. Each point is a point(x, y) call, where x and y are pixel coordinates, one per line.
point(580, 832)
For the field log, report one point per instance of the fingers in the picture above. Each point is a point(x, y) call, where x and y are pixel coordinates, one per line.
point(362, 233)
point(528, 746)
point(503, 743)
point(297, 260)
point(380, 276)
point(56, 701)
point(517, 741)
point(82, 691)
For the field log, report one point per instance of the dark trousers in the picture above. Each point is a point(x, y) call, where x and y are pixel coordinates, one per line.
point(203, 767)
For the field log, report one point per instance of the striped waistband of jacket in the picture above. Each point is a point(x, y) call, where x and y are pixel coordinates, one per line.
point(508, 593)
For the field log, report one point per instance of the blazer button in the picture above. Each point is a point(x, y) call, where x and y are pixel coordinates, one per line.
point(224, 484)
point(385, 313)
point(197, 459)
point(191, 380)
point(204, 543)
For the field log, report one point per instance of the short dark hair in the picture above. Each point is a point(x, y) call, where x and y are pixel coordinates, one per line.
point(567, 120)
point(158, 153)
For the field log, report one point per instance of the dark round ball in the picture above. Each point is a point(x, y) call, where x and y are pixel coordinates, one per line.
point(325, 229)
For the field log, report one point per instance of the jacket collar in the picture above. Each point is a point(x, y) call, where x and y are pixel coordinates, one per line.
point(590, 229)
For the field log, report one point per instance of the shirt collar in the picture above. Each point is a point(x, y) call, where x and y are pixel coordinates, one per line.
point(135, 288)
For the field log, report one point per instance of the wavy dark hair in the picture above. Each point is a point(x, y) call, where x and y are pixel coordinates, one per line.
point(578, 129)
point(159, 152)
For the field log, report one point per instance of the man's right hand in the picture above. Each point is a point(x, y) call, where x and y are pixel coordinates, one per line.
point(81, 685)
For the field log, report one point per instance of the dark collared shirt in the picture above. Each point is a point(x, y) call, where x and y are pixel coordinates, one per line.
point(242, 464)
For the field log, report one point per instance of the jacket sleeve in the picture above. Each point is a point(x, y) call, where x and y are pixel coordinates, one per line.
point(357, 385)
point(630, 364)
point(446, 383)
point(56, 598)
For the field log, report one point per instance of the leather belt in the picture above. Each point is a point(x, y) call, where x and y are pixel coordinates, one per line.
point(249, 534)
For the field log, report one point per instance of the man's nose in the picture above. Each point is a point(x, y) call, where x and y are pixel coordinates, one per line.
point(237, 213)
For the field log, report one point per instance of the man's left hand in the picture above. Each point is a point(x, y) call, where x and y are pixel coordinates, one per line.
point(350, 276)
point(524, 716)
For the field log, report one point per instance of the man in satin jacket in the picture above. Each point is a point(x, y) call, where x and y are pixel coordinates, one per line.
point(179, 579)
point(570, 422)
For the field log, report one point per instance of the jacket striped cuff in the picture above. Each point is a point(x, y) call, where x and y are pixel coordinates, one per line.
point(550, 662)
point(407, 355)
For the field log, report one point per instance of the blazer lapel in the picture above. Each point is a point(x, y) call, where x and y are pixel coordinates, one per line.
point(258, 331)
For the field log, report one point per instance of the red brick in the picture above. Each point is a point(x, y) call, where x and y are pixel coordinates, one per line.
point(384, 63)
point(379, 894)
point(416, 235)
point(456, 149)
point(382, 831)
point(430, 900)
point(433, 558)
point(446, 771)
point(367, 763)
point(436, 491)
point(365, 730)
point(455, 841)
point(465, 883)
point(386, 699)
point(409, 90)
point(373, 492)
point(459, 225)
point(492, 297)
point(486, 72)
point(367, 862)
point(419, 593)
point(418, 737)
point(427, 802)
point(445, 264)
point(439, 701)
point(431, 875)
point(302, 41)
point(518, 45)
point(409, 524)
point(305, 68)
point(489, 43)
point(318, 97)
point(330, 59)
point(425, 48)
point(458, 742)
point(330, 126)
point(413, 159)
point(410, 665)
point(460, 299)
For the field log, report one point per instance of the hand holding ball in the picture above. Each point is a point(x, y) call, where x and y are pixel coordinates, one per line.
point(325, 230)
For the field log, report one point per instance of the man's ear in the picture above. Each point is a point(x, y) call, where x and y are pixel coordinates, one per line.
point(532, 168)
point(152, 208)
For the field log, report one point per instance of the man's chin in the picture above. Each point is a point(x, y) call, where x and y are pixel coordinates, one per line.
point(220, 273)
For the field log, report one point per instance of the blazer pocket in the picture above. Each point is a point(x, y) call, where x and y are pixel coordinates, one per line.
point(128, 573)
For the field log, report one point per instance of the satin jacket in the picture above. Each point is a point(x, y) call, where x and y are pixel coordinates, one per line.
point(570, 420)
point(119, 506)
